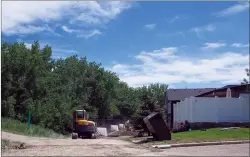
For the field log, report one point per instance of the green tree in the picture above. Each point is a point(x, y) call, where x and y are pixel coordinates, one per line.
point(152, 100)
point(53, 88)
point(246, 81)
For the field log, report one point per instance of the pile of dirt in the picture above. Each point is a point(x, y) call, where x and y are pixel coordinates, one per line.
point(122, 133)
point(6, 144)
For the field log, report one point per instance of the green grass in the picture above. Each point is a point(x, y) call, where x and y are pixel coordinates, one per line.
point(204, 136)
point(14, 126)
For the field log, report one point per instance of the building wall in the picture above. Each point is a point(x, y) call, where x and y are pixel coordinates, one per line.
point(238, 90)
point(169, 112)
point(217, 110)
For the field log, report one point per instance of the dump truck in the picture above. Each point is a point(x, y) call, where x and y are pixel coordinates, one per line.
point(82, 127)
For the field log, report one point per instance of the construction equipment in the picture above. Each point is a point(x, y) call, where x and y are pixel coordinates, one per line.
point(81, 126)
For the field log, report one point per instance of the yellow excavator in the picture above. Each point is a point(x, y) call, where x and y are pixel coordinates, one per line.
point(82, 127)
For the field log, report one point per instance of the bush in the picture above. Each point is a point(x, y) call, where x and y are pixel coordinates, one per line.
point(15, 126)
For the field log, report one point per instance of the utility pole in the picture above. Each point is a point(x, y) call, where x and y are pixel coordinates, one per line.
point(29, 120)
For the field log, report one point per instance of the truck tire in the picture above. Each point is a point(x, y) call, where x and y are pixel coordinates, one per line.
point(90, 135)
point(74, 135)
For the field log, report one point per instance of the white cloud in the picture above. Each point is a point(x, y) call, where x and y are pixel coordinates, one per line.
point(239, 45)
point(214, 45)
point(164, 53)
point(68, 30)
point(62, 53)
point(97, 13)
point(16, 15)
point(25, 30)
point(209, 28)
point(67, 51)
point(199, 30)
point(150, 26)
point(235, 9)
point(93, 33)
point(173, 19)
point(28, 45)
point(90, 34)
point(166, 66)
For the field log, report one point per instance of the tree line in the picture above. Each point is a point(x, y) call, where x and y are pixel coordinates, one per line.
point(51, 89)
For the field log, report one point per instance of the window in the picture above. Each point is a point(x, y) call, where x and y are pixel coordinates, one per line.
point(80, 114)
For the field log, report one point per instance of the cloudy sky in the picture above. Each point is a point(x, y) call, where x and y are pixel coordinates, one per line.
point(182, 44)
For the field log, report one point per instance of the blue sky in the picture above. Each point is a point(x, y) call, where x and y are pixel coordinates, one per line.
point(182, 44)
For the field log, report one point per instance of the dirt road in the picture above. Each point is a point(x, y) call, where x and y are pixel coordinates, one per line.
point(111, 147)
point(68, 147)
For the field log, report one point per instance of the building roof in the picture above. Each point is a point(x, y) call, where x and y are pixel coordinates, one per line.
point(229, 86)
point(181, 94)
point(224, 88)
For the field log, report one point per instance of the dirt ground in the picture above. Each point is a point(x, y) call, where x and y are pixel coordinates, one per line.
point(110, 147)
point(36, 146)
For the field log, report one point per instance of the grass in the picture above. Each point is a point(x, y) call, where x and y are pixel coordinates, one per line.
point(204, 136)
point(14, 126)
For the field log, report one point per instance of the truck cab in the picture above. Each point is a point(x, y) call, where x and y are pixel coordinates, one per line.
point(81, 126)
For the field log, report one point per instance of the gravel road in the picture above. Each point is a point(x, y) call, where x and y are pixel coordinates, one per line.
point(67, 147)
point(111, 147)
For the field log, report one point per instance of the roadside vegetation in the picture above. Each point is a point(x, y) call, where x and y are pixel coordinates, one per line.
point(14, 126)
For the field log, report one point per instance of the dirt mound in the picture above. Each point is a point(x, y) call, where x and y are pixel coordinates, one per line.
point(7, 144)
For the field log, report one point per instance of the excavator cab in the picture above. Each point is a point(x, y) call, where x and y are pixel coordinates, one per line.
point(81, 126)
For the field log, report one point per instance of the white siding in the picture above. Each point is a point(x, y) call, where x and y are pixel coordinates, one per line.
point(196, 109)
